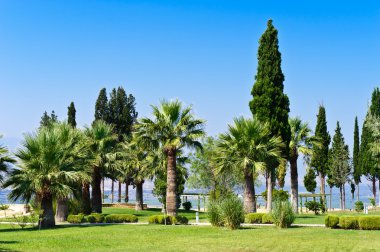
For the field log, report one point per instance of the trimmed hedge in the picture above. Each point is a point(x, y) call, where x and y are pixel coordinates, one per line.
point(120, 218)
point(348, 222)
point(254, 218)
point(170, 220)
point(369, 222)
point(267, 219)
point(332, 221)
point(94, 218)
point(76, 219)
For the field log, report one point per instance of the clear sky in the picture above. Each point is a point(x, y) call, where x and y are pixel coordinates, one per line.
point(202, 52)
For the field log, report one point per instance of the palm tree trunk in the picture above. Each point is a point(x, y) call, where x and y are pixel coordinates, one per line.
point(119, 192)
point(103, 193)
point(139, 196)
point(269, 191)
point(254, 197)
point(126, 199)
point(86, 201)
point(62, 210)
point(374, 187)
point(112, 190)
point(96, 192)
point(171, 188)
point(294, 183)
point(47, 216)
point(249, 194)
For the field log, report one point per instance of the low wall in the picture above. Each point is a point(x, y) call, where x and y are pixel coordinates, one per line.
point(122, 205)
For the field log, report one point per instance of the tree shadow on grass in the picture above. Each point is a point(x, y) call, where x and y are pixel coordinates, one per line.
point(7, 242)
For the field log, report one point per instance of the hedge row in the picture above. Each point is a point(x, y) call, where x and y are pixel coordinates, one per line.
point(100, 218)
point(259, 218)
point(353, 222)
point(170, 220)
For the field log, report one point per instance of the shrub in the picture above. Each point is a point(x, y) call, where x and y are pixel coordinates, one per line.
point(79, 218)
point(359, 206)
point(282, 214)
point(267, 219)
point(372, 201)
point(187, 205)
point(97, 218)
point(170, 220)
point(348, 222)
point(280, 195)
point(120, 218)
point(89, 218)
point(181, 220)
point(254, 218)
point(331, 221)
point(369, 222)
point(227, 212)
point(314, 206)
point(214, 213)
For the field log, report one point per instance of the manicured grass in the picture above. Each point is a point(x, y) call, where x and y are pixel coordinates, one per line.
point(185, 238)
point(144, 215)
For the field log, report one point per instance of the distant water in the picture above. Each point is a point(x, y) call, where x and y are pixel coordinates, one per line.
point(150, 199)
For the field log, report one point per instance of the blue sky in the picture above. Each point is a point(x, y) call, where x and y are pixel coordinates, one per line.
point(202, 52)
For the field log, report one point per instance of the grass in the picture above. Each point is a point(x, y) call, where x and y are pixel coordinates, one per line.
point(144, 215)
point(311, 218)
point(185, 238)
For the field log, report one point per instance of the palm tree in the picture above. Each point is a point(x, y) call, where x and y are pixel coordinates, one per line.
point(172, 128)
point(48, 168)
point(102, 144)
point(5, 161)
point(301, 142)
point(244, 150)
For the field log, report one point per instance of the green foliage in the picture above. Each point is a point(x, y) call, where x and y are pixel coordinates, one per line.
point(277, 195)
point(254, 218)
point(320, 157)
point(5, 161)
point(282, 214)
point(120, 218)
point(359, 206)
point(372, 201)
point(355, 157)
point(186, 205)
point(348, 222)
point(314, 206)
point(168, 220)
point(227, 212)
point(267, 219)
point(75, 219)
point(101, 106)
point(369, 222)
point(332, 221)
point(98, 218)
point(269, 103)
point(4, 208)
point(309, 180)
point(47, 121)
point(71, 115)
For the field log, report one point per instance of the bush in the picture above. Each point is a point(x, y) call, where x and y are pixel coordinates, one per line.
point(331, 221)
point(282, 214)
point(314, 206)
point(359, 206)
point(170, 220)
point(372, 201)
point(120, 218)
point(227, 212)
point(187, 205)
point(348, 222)
point(280, 195)
point(181, 220)
point(97, 218)
point(369, 222)
point(76, 219)
point(267, 219)
point(254, 218)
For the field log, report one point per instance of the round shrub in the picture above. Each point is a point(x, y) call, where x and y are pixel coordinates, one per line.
point(99, 218)
point(314, 206)
point(89, 218)
point(181, 220)
point(267, 219)
point(359, 206)
point(187, 205)
point(254, 218)
point(227, 212)
point(170, 220)
point(369, 222)
point(282, 214)
point(214, 214)
point(75, 219)
point(331, 221)
point(120, 218)
point(348, 222)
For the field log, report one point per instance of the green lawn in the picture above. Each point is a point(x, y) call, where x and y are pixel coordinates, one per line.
point(144, 215)
point(185, 238)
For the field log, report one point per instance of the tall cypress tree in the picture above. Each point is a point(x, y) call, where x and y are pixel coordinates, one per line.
point(47, 120)
point(269, 103)
point(357, 171)
point(320, 158)
point(101, 106)
point(71, 112)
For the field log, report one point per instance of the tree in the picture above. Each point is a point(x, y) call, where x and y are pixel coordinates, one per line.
point(355, 157)
point(5, 161)
point(102, 144)
point(320, 157)
point(269, 103)
point(171, 129)
point(340, 168)
point(47, 121)
point(50, 165)
point(309, 180)
point(244, 150)
point(102, 107)
point(301, 142)
point(71, 115)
